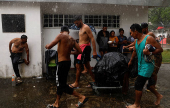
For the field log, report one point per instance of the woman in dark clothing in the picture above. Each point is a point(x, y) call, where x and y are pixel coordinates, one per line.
point(102, 40)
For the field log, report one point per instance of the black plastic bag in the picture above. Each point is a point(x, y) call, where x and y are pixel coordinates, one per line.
point(134, 68)
point(110, 68)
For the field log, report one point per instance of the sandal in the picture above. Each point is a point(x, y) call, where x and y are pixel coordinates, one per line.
point(51, 106)
point(73, 86)
point(81, 104)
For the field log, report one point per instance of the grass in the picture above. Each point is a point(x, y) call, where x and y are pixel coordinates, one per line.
point(166, 56)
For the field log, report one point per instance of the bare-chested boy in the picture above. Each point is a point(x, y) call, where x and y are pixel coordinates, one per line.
point(65, 44)
point(19, 44)
point(85, 36)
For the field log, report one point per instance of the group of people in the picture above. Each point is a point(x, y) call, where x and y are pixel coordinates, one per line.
point(66, 43)
point(168, 39)
point(108, 42)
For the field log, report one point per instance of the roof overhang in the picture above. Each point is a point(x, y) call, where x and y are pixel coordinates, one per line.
point(149, 3)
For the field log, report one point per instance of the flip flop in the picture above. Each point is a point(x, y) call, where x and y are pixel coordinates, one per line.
point(51, 106)
point(81, 104)
point(73, 87)
point(149, 90)
point(88, 86)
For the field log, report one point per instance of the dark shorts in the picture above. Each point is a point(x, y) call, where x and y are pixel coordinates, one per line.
point(61, 78)
point(85, 56)
point(103, 49)
point(140, 82)
point(16, 58)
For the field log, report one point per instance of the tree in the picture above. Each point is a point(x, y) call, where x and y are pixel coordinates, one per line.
point(158, 16)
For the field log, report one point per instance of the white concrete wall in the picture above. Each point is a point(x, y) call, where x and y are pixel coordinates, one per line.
point(128, 16)
point(33, 31)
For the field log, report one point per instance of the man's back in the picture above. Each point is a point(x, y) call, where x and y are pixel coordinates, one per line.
point(64, 47)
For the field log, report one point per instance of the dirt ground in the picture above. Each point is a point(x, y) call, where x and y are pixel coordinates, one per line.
point(39, 92)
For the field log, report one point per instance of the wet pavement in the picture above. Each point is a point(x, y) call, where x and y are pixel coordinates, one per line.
point(165, 46)
point(39, 92)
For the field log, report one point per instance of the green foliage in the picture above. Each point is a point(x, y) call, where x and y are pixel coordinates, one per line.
point(165, 56)
point(158, 15)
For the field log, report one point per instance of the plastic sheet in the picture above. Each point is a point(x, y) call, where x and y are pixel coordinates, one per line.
point(134, 68)
point(110, 68)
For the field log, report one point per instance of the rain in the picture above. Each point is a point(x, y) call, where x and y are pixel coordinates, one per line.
point(41, 22)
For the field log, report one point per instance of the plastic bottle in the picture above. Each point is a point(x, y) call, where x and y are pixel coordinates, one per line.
point(114, 40)
point(113, 44)
point(13, 80)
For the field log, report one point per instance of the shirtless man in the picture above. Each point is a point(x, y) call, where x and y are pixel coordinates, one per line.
point(145, 69)
point(65, 44)
point(16, 52)
point(85, 35)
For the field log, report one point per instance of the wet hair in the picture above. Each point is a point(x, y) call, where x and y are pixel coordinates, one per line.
point(64, 28)
point(111, 32)
point(23, 37)
point(144, 25)
point(77, 18)
point(136, 27)
point(121, 29)
point(77, 40)
point(104, 25)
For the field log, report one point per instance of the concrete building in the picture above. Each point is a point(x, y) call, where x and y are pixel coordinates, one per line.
point(41, 21)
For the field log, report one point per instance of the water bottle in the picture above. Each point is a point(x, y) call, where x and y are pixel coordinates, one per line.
point(113, 44)
point(13, 80)
point(114, 40)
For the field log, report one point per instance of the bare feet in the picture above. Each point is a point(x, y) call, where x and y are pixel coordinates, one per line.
point(158, 100)
point(133, 106)
point(84, 72)
point(56, 105)
point(74, 85)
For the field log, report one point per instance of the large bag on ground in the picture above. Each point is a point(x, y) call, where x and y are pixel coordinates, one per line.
point(110, 68)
